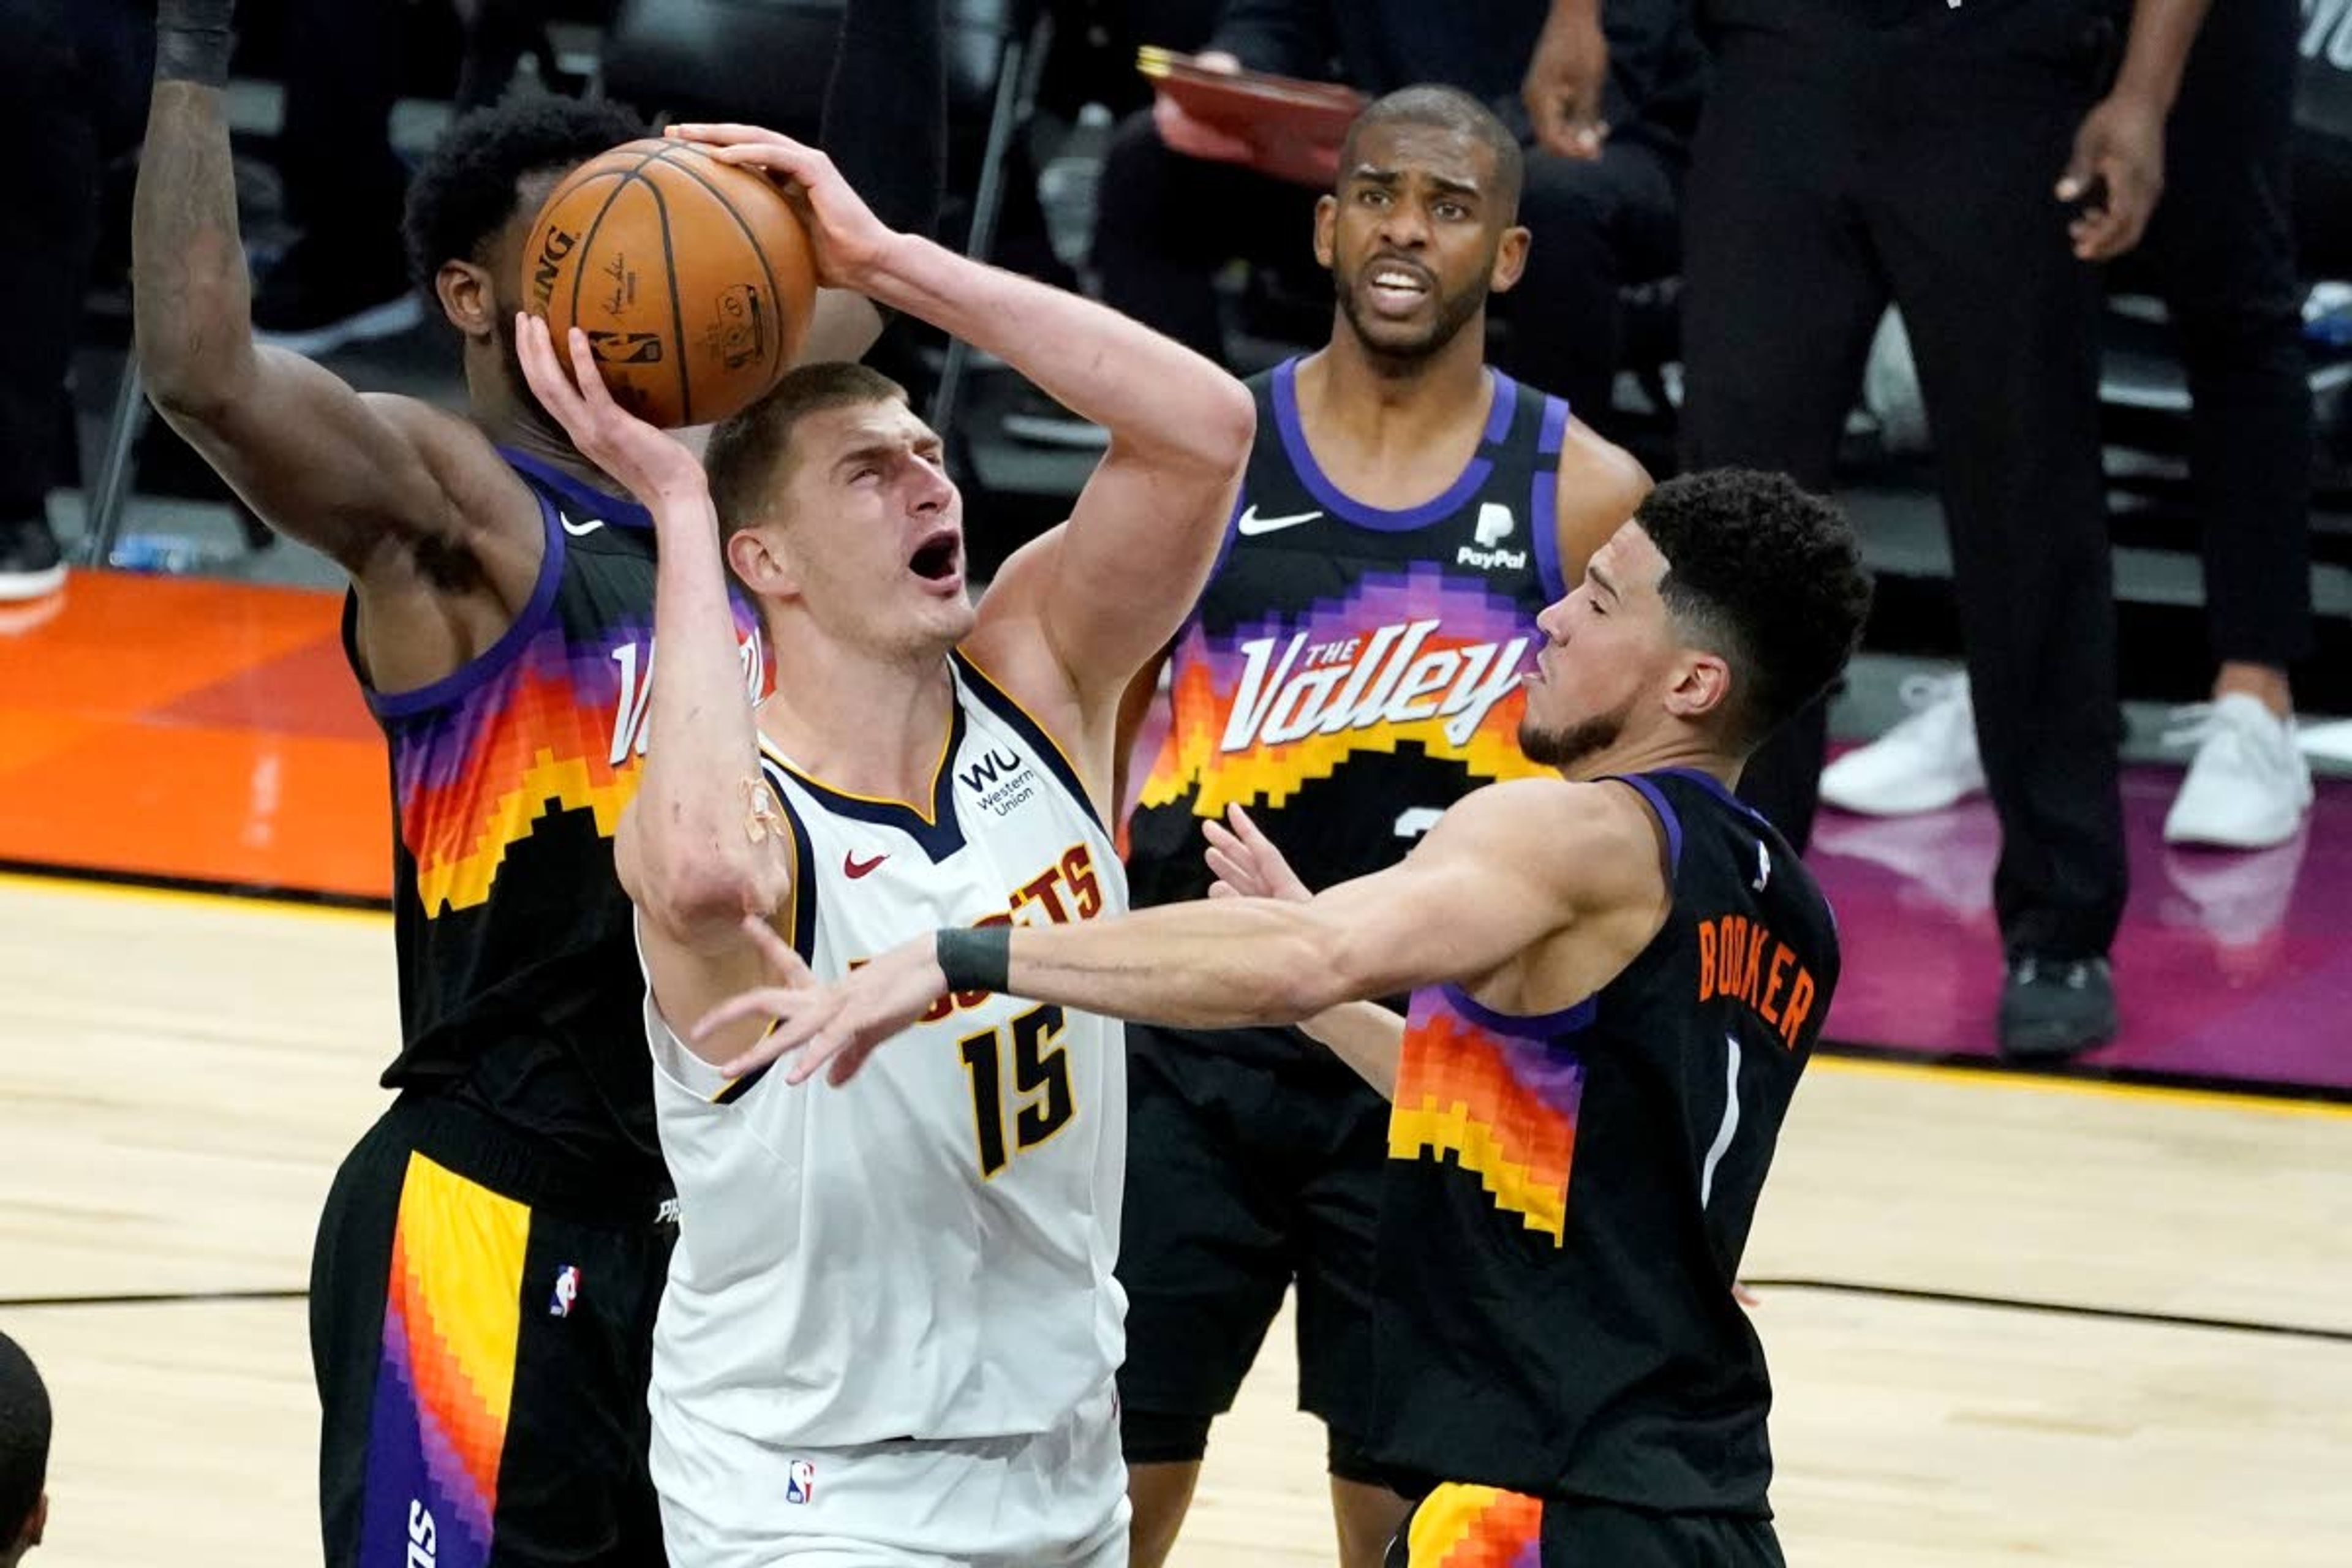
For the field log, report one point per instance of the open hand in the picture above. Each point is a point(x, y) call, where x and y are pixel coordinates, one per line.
point(847, 240)
point(650, 463)
point(840, 1023)
point(2118, 150)
point(1246, 864)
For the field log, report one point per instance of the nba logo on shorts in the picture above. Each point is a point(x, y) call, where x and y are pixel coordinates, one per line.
point(567, 1290)
point(800, 1481)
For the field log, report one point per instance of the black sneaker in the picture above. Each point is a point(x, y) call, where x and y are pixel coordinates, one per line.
point(30, 566)
point(316, 298)
point(2052, 1008)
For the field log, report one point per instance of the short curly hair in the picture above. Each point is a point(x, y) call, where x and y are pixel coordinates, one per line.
point(23, 1440)
point(465, 192)
point(1766, 574)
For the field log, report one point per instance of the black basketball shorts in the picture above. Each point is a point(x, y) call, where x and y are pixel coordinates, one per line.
point(482, 1342)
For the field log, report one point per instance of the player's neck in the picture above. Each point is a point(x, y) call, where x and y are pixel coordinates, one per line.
point(514, 422)
point(1656, 753)
point(1378, 404)
point(855, 723)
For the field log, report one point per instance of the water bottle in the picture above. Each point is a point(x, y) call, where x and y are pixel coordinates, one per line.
point(165, 552)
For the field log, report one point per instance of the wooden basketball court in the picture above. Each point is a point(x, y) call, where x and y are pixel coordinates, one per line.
point(182, 1072)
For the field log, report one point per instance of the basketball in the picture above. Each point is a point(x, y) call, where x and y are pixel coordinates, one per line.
point(692, 279)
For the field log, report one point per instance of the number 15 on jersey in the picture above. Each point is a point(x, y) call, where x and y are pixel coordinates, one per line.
point(1041, 1084)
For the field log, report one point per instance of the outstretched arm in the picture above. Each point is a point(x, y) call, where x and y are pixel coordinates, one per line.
point(1509, 868)
point(1367, 1036)
point(409, 501)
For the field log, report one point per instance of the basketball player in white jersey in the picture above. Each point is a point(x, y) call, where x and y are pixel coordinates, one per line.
point(890, 1327)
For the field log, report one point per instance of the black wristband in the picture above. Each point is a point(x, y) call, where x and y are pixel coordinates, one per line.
point(975, 958)
point(193, 41)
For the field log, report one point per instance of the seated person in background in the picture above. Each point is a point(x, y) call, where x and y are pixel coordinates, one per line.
point(1602, 207)
point(24, 1454)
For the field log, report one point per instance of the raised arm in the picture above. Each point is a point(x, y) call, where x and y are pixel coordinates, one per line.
point(1073, 614)
point(411, 502)
point(702, 844)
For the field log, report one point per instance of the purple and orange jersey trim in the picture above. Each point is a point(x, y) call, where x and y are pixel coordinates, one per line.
point(552, 731)
point(1500, 1094)
point(452, 1318)
point(1461, 1526)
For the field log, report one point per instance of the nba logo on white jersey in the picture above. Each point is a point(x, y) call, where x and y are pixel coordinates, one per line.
point(800, 1481)
point(1495, 524)
point(567, 1291)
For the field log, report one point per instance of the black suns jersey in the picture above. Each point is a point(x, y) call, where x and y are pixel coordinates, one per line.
point(1350, 671)
point(520, 988)
point(1569, 1195)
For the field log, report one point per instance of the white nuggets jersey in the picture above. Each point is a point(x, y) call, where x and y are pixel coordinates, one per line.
point(925, 1252)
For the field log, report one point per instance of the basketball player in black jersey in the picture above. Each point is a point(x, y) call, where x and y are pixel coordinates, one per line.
point(1350, 671)
point(1617, 975)
point(488, 1261)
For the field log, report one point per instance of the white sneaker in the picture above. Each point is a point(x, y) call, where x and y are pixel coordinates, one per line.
point(2248, 786)
point(1926, 762)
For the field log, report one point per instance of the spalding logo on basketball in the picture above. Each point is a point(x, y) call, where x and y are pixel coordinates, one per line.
point(691, 278)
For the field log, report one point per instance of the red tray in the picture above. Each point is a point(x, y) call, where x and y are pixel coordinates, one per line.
point(1294, 127)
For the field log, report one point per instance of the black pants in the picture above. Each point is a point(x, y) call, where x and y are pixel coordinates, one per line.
point(1838, 166)
point(2220, 252)
point(73, 80)
point(1168, 223)
point(1246, 1178)
point(482, 1341)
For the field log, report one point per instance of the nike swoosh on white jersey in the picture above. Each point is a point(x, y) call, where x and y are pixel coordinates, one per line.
point(1253, 524)
point(579, 530)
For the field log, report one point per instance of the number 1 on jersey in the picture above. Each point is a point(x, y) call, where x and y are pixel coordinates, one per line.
point(1040, 1068)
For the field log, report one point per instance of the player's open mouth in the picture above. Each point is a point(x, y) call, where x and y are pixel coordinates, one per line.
point(1397, 289)
point(939, 558)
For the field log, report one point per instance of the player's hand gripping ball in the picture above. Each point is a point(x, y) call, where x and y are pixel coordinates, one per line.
point(692, 278)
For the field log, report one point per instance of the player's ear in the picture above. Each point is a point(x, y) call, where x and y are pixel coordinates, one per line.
point(1327, 222)
point(1510, 259)
point(763, 564)
point(466, 298)
point(37, 1523)
point(1701, 690)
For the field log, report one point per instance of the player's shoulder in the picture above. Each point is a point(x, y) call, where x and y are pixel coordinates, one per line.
point(1598, 834)
point(1600, 484)
point(486, 494)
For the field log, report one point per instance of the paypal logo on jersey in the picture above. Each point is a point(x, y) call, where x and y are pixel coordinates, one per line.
point(1496, 523)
